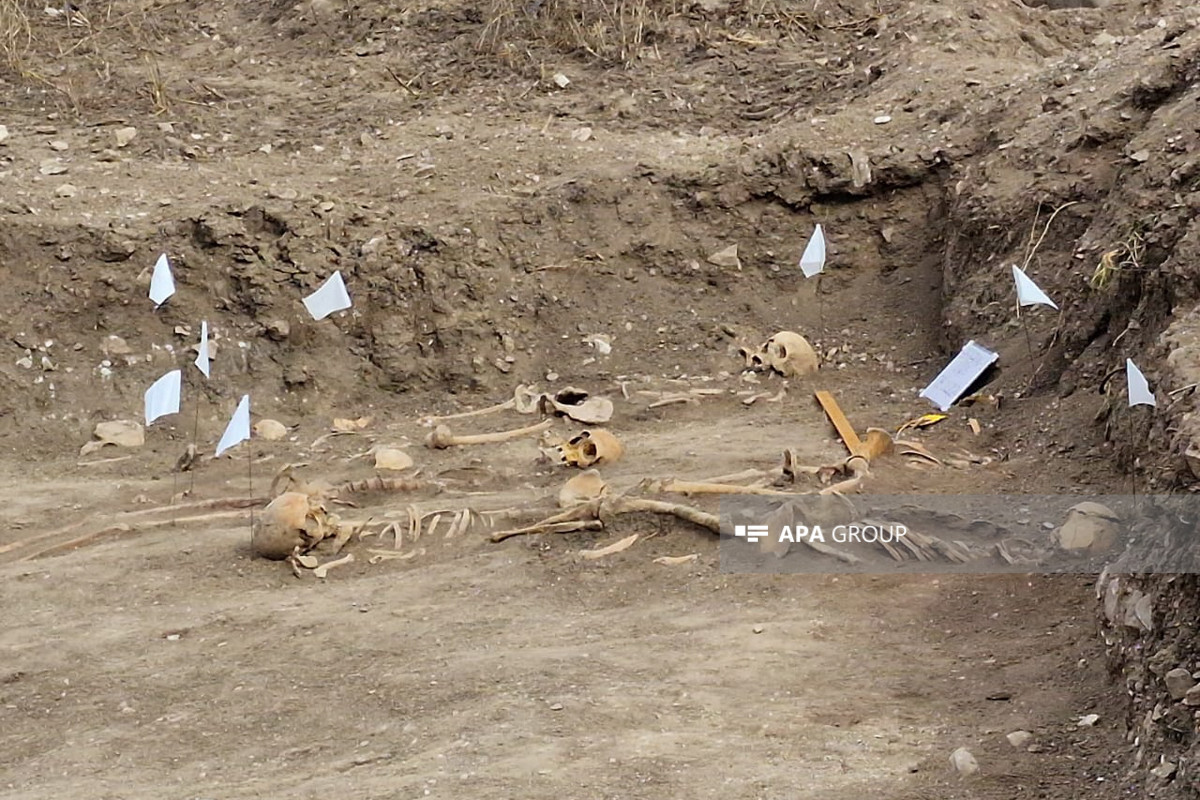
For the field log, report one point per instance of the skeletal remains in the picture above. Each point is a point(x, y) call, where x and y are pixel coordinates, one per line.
point(297, 521)
point(588, 448)
point(787, 353)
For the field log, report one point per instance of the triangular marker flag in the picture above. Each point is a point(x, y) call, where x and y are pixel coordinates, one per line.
point(329, 298)
point(202, 358)
point(1139, 390)
point(238, 429)
point(162, 398)
point(162, 284)
point(1028, 292)
point(813, 261)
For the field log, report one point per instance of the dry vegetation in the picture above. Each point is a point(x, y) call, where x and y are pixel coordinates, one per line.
point(15, 33)
point(612, 31)
point(80, 57)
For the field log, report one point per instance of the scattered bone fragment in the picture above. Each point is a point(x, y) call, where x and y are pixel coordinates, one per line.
point(615, 547)
point(122, 433)
point(323, 570)
point(587, 485)
point(671, 561)
point(578, 405)
point(441, 437)
point(524, 401)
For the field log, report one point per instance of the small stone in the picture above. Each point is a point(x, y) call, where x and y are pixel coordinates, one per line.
point(1164, 771)
point(758, 629)
point(124, 136)
point(883, 119)
point(963, 762)
point(581, 134)
point(1140, 157)
point(1019, 738)
point(3, 132)
point(1192, 697)
point(115, 346)
point(556, 706)
point(560, 80)
point(1087, 721)
point(59, 145)
point(392, 458)
point(1179, 681)
point(373, 244)
point(726, 258)
point(52, 166)
point(269, 429)
point(66, 190)
point(172, 637)
point(278, 329)
point(1104, 39)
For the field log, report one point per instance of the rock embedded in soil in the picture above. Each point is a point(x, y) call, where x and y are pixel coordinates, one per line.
point(1019, 738)
point(963, 762)
point(1179, 682)
point(727, 258)
point(124, 136)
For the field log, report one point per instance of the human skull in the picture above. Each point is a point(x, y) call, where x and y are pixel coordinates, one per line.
point(590, 448)
point(293, 522)
point(790, 354)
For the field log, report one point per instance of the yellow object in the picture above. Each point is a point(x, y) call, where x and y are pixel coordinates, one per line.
point(923, 421)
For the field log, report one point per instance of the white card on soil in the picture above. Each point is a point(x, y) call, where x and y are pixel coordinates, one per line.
point(813, 261)
point(959, 374)
point(162, 398)
point(1139, 389)
point(202, 357)
point(238, 429)
point(162, 283)
point(329, 298)
point(1028, 292)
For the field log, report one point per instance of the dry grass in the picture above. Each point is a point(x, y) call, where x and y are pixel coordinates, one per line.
point(86, 60)
point(611, 31)
point(15, 33)
point(1125, 256)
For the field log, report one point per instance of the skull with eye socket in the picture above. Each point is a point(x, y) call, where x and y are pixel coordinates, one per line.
point(587, 449)
point(787, 353)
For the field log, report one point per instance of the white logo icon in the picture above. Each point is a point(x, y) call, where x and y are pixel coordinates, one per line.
point(751, 533)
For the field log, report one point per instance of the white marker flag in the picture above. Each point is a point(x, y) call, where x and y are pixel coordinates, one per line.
point(238, 429)
point(958, 375)
point(162, 284)
point(202, 358)
point(1028, 292)
point(813, 261)
point(1139, 390)
point(329, 298)
point(162, 398)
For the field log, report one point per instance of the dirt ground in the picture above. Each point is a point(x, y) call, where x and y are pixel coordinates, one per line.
point(493, 223)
